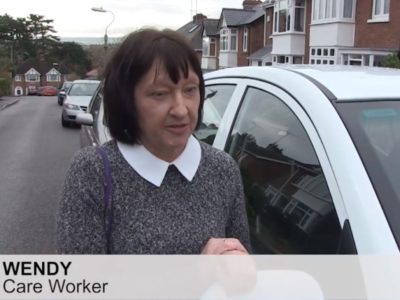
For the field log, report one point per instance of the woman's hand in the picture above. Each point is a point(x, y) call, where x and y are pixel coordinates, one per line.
point(217, 246)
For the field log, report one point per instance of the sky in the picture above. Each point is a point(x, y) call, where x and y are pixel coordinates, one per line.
point(74, 18)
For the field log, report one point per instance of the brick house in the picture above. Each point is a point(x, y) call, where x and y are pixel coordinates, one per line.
point(263, 56)
point(241, 33)
point(33, 74)
point(331, 32)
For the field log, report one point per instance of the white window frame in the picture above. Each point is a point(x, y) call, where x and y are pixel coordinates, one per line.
point(212, 42)
point(380, 16)
point(245, 39)
point(323, 55)
point(324, 11)
point(206, 46)
point(18, 78)
point(32, 73)
point(51, 73)
point(289, 6)
point(226, 40)
point(50, 79)
point(28, 78)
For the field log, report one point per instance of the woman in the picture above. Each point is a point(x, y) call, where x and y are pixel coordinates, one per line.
point(171, 193)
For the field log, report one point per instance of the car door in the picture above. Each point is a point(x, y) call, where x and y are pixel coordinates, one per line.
point(93, 135)
point(293, 202)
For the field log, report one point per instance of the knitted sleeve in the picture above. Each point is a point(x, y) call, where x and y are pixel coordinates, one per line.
point(80, 223)
point(238, 226)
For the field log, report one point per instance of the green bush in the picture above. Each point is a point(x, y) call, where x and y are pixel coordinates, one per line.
point(391, 61)
point(4, 86)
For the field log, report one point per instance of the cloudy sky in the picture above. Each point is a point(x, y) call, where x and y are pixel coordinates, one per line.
point(74, 18)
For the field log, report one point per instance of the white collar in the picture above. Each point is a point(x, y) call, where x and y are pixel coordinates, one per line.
point(154, 169)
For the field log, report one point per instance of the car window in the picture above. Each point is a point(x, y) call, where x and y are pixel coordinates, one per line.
point(83, 89)
point(375, 129)
point(289, 204)
point(216, 100)
point(95, 111)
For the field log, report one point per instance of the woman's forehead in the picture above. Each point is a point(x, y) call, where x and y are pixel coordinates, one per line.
point(159, 72)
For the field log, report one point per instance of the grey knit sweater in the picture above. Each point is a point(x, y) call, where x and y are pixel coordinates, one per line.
point(176, 218)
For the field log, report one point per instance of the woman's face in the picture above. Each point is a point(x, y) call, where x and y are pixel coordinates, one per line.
point(167, 112)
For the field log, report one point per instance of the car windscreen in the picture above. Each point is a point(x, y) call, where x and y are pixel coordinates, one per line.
point(375, 129)
point(83, 89)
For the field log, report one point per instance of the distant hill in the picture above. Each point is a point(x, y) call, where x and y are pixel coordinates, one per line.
point(90, 40)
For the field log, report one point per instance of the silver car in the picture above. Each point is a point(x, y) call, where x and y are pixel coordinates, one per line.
point(77, 100)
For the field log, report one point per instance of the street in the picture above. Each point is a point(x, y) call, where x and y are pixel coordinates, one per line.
point(34, 155)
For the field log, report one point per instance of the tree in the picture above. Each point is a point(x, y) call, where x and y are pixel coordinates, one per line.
point(72, 55)
point(34, 37)
point(391, 61)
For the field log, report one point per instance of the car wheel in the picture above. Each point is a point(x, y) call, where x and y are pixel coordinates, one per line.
point(64, 123)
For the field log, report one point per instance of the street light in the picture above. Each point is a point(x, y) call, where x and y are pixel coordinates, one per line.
point(102, 10)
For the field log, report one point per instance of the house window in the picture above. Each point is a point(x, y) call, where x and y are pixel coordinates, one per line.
point(32, 77)
point(245, 38)
point(206, 46)
point(233, 40)
point(228, 40)
point(325, 10)
point(380, 10)
point(18, 78)
point(299, 16)
point(212, 47)
point(287, 11)
point(348, 9)
point(323, 55)
point(224, 40)
point(53, 77)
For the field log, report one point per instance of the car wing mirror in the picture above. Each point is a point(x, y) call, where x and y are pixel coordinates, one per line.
point(84, 119)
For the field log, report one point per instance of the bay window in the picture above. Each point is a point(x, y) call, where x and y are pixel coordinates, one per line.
point(285, 12)
point(228, 40)
point(332, 10)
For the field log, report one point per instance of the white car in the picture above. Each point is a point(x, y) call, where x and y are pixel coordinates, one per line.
point(319, 153)
point(77, 100)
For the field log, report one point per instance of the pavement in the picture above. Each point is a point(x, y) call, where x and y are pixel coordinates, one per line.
point(7, 101)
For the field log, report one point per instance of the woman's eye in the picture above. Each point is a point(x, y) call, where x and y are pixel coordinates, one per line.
point(159, 94)
point(191, 89)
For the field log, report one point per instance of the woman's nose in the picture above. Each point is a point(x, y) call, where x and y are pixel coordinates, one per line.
point(179, 107)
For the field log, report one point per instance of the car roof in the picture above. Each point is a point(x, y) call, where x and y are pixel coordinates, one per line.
point(86, 81)
point(337, 82)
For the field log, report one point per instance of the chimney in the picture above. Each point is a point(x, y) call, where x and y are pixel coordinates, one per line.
point(199, 17)
point(250, 4)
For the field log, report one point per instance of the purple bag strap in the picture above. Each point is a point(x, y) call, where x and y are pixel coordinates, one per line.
point(108, 218)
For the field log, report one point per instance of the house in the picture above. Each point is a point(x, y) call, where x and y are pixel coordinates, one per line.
point(331, 32)
point(210, 39)
point(241, 32)
point(193, 32)
point(32, 74)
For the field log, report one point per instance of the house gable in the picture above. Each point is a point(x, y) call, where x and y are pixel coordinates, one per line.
point(32, 71)
point(53, 71)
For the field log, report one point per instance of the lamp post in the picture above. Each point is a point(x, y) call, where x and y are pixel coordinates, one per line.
point(102, 10)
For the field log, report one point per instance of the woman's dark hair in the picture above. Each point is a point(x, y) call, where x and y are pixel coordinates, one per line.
point(130, 62)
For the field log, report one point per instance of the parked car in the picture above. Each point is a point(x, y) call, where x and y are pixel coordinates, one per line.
point(47, 91)
point(318, 150)
point(32, 90)
point(63, 91)
point(77, 100)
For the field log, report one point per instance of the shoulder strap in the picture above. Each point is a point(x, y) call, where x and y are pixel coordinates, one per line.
point(108, 217)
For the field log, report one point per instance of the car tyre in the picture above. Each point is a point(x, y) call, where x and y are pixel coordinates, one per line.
point(64, 123)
